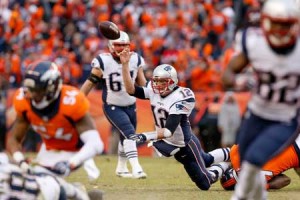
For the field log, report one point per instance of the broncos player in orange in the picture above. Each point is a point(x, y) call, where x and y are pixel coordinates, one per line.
point(272, 170)
point(59, 113)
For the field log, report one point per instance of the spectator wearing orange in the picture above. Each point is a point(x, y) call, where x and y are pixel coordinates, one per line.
point(204, 77)
point(92, 41)
point(15, 66)
point(16, 22)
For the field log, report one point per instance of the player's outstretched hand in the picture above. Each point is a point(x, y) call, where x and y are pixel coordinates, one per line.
point(139, 138)
point(125, 55)
point(62, 168)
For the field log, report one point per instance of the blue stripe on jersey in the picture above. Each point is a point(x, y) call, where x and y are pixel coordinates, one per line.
point(190, 100)
point(147, 83)
point(186, 128)
point(104, 93)
point(100, 62)
point(139, 60)
point(187, 100)
point(244, 47)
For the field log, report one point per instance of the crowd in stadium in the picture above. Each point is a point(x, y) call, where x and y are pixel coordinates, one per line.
point(52, 54)
point(194, 36)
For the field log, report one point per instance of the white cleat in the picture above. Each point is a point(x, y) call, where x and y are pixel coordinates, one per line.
point(139, 175)
point(124, 174)
point(81, 193)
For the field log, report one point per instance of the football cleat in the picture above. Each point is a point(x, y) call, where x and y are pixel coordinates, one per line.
point(139, 175)
point(124, 174)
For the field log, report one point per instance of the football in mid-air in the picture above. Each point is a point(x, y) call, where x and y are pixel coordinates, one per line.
point(109, 30)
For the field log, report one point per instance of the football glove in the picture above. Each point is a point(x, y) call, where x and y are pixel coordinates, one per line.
point(62, 168)
point(20, 160)
point(139, 138)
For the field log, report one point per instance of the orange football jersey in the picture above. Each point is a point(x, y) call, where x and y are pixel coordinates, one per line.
point(59, 131)
point(286, 160)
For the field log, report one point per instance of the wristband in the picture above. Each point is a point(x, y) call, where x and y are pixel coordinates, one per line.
point(152, 135)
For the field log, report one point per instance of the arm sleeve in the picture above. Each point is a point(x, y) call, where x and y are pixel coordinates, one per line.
point(173, 122)
point(93, 145)
point(139, 92)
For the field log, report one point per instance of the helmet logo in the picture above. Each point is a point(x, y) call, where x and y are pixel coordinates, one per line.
point(168, 68)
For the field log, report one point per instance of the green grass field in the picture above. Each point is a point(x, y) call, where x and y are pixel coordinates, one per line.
point(166, 180)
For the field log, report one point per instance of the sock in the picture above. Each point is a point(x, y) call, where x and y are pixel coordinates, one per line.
point(130, 150)
point(260, 192)
point(221, 155)
point(122, 159)
point(247, 180)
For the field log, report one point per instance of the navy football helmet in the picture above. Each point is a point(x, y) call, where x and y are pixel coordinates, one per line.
point(229, 179)
point(43, 82)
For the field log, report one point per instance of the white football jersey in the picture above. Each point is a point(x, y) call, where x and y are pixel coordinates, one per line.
point(180, 101)
point(114, 92)
point(15, 184)
point(277, 92)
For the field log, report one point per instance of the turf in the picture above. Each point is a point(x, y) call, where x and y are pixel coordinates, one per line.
point(166, 180)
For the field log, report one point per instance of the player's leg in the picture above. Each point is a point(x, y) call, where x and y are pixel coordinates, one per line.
point(115, 115)
point(247, 181)
point(278, 136)
point(124, 119)
point(165, 149)
point(249, 131)
point(130, 149)
point(260, 192)
point(279, 181)
point(190, 157)
point(220, 155)
point(122, 170)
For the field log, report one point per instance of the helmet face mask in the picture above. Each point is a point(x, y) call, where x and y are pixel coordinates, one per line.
point(164, 79)
point(118, 45)
point(42, 83)
point(161, 85)
point(280, 22)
